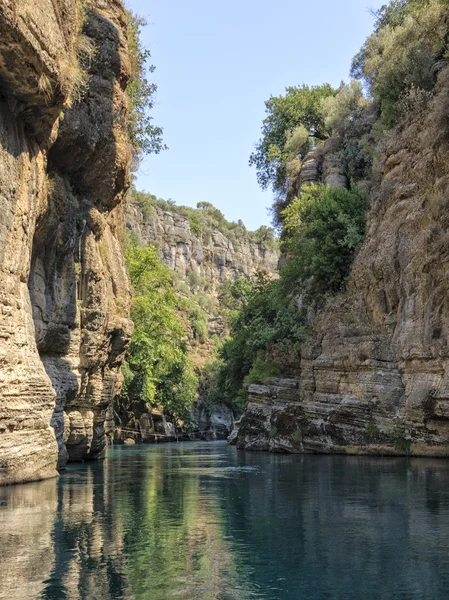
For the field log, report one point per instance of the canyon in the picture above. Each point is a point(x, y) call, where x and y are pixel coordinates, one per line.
point(373, 373)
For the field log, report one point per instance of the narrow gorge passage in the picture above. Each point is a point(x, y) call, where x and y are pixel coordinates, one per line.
point(204, 521)
point(224, 314)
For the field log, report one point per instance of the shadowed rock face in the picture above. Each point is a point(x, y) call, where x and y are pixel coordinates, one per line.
point(374, 375)
point(64, 293)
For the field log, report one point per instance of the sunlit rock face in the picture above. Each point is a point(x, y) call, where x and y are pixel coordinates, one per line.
point(64, 293)
point(213, 257)
point(373, 377)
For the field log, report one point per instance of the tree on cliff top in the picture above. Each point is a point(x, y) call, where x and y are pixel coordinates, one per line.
point(396, 63)
point(145, 137)
point(287, 118)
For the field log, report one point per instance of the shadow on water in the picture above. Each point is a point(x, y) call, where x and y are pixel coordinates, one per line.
point(204, 521)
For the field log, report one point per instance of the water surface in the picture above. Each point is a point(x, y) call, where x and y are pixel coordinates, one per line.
point(202, 521)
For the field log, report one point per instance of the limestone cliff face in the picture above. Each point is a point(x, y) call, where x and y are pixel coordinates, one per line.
point(213, 256)
point(374, 376)
point(64, 293)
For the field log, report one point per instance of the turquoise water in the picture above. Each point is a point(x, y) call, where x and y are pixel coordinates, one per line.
point(204, 521)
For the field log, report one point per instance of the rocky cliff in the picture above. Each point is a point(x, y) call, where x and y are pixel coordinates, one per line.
point(374, 374)
point(215, 256)
point(64, 294)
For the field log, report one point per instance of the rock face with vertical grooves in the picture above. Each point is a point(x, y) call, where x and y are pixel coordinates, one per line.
point(374, 376)
point(212, 255)
point(64, 293)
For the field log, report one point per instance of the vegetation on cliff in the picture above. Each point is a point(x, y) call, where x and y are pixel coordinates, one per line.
point(322, 226)
point(145, 136)
point(205, 219)
point(322, 230)
point(291, 123)
point(158, 369)
point(173, 341)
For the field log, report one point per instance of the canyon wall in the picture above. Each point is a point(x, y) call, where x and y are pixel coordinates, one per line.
point(213, 255)
point(374, 373)
point(64, 293)
point(202, 262)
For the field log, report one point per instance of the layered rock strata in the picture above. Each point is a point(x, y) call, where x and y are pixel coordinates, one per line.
point(64, 294)
point(214, 257)
point(374, 376)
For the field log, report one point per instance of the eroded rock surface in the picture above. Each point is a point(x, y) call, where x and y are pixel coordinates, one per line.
point(214, 257)
point(374, 376)
point(64, 294)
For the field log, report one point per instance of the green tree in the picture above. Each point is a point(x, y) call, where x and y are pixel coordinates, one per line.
point(322, 230)
point(145, 137)
point(158, 369)
point(300, 107)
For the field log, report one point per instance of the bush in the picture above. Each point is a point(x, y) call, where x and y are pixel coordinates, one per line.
point(322, 230)
point(194, 280)
point(262, 370)
point(198, 323)
point(399, 436)
point(409, 38)
point(195, 224)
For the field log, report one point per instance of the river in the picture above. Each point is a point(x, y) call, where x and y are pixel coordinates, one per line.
point(204, 521)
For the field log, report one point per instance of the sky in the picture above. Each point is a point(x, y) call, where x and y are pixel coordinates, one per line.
point(216, 64)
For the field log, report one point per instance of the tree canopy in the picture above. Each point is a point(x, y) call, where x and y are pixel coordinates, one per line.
point(157, 369)
point(300, 107)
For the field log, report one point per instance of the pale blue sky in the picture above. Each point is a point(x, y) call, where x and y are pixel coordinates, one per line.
point(216, 64)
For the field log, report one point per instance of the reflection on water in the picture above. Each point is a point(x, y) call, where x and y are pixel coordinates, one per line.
point(203, 521)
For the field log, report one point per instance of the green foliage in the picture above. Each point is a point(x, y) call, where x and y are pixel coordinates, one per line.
point(372, 431)
point(158, 369)
point(409, 38)
point(290, 120)
point(198, 322)
point(274, 432)
point(392, 15)
point(297, 436)
point(347, 118)
point(343, 111)
point(322, 230)
point(195, 224)
point(262, 370)
point(194, 280)
point(264, 319)
point(233, 294)
point(209, 390)
point(265, 237)
point(205, 301)
point(145, 137)
point(399, 436)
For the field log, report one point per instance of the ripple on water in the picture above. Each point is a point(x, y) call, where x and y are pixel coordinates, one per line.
point(206, 522)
